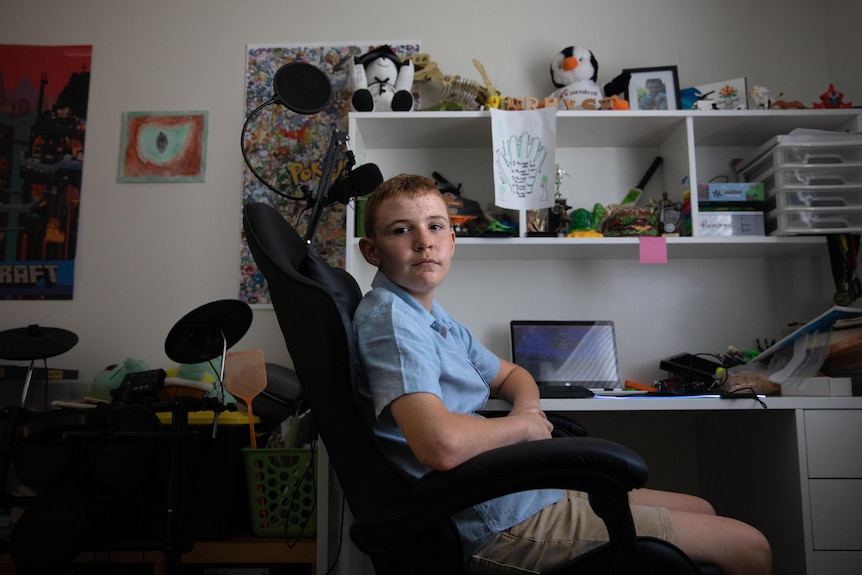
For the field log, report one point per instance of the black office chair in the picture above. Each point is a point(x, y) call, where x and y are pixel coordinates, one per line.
point(404, 525)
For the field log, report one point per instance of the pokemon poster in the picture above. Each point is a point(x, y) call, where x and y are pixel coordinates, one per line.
point(288, 149)
point(43, 116)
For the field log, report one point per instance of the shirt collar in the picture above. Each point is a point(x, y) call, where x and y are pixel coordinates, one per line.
point(436, 319)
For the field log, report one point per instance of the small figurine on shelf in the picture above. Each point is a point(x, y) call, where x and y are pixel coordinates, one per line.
point(586, 224)
point(574, 71)
point(759, 98)
point(832, 98)
point(380, 82)
point(553, 221)
point(669, 215)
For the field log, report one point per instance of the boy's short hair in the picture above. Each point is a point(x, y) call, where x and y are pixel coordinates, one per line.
point(409, 185)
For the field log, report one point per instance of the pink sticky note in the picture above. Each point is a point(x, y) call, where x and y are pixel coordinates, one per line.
point(653, 250)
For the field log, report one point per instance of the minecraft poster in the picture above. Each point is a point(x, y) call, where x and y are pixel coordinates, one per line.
point(43, 118)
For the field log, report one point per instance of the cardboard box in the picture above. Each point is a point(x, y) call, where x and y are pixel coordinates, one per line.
point(731, 192)
point(730, 224)
point(819, 386)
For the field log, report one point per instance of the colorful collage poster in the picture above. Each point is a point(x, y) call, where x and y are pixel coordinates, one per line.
point(43, 117)
point(288, 149)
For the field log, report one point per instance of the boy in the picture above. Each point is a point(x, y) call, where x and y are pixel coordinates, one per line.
point(427, 377)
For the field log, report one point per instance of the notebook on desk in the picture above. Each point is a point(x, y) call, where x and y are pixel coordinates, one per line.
point(567, 357)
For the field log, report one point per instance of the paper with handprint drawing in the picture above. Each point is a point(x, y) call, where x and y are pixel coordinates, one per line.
point(524, 165)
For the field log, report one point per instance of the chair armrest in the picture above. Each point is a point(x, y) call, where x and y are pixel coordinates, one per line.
point(599, 467)
point(583, 463)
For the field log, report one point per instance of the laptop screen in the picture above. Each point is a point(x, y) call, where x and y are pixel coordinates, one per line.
point(567, 353)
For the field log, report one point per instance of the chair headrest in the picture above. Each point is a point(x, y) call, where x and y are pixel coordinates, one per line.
point(268, 229)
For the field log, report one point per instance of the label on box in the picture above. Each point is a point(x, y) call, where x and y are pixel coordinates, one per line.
point(730, 192)
point(730, 224)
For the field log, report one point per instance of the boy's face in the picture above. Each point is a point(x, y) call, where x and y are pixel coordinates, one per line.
point(414, 244)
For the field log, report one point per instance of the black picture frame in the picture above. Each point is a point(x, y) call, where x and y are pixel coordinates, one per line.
point(653, 88)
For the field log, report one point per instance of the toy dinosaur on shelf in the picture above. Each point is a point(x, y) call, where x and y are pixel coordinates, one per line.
point(455, 92)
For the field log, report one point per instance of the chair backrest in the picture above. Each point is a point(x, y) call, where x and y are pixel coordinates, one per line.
point(314, 304)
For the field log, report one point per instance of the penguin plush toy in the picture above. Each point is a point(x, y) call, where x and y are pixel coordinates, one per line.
point(574, 72)
point(380, 82)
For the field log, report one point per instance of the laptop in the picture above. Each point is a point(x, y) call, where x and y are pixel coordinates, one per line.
point(567, 358)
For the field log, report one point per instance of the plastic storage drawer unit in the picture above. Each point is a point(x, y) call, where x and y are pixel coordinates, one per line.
point(814, 221)
point(785, 150)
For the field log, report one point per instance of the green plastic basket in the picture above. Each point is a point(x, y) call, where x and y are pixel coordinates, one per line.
point(282, 491)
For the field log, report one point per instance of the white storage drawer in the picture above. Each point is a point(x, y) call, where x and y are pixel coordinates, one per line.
point(801, 221)
point(836, 513)
point(833, 438)
point(812, 176)
point(820, 197)
point(810, 153)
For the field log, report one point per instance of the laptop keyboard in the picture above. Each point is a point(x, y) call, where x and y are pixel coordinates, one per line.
point(565, 391)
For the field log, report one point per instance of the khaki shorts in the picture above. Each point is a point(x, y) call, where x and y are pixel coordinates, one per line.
point(558, 533)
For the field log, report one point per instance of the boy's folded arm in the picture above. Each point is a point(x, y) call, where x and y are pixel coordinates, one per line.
point(443, 440)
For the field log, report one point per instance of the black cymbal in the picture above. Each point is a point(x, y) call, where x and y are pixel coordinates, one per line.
point(197, 337)
point(35, 342)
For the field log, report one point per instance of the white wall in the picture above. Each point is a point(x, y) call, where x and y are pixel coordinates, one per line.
point(149, 253)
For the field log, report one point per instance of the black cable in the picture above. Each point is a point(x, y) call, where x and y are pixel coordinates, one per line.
point(744, 393)
point(293, 492)
point(251, 168)
point(340, 536)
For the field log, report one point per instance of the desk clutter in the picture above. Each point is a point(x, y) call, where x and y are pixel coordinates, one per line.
point(156, 462)
point(820, 358)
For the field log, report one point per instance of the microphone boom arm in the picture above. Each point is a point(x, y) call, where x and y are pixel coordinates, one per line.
point(336, 141)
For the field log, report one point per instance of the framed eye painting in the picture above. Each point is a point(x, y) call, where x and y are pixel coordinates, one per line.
point(653, 88)
point(163, 147)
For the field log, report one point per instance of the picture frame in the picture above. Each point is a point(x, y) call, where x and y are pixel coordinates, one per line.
point(727, 95)
point(163, 147)
point(653, 88)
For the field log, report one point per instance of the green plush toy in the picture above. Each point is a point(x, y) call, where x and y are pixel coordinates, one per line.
point(113, 376)
point(206, 371)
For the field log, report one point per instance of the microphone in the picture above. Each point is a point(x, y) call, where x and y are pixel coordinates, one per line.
point(358, 182)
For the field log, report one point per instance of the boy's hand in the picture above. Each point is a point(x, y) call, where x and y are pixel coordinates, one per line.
point(535, 420)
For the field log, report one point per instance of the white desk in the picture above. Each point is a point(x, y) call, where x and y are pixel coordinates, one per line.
point(793, 470)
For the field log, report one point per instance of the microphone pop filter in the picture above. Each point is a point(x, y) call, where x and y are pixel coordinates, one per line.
point(302, 88)
point(365, 179)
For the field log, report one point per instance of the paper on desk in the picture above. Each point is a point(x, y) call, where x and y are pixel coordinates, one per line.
point(524, 157)
point(800, 354)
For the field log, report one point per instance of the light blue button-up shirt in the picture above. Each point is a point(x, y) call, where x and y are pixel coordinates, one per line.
point(405, 349)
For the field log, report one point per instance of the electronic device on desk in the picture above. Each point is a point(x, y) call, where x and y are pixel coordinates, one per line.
point(690, 374)
point(564, 391)
point(567, 358)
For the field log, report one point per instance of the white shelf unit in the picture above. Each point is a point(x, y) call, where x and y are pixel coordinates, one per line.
point(763, 282)
point(602, 147)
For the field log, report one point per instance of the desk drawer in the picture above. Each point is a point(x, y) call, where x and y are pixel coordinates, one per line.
point(837, 562)
point(836, 514)
point(832, 439)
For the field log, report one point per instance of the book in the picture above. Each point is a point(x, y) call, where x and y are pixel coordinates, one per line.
point(847, 322)
point(846, 343)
